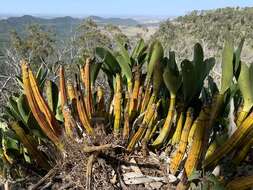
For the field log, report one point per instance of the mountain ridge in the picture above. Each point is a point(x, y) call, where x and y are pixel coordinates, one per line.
point(100, 20)
point(62, 26)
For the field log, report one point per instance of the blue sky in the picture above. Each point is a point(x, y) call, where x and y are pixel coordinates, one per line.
point(113, 7)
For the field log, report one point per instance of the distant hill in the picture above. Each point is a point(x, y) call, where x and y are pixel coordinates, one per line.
point(62, 26)
point(208, 28)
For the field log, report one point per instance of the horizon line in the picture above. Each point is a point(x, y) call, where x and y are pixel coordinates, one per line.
point(105, 15)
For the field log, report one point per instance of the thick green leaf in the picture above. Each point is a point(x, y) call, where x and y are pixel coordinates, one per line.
point(237, 56)
point(195, 175)
point(205, 95)
point(26, 156)
point(157, 78)
point(237, 95)
point(171, 76)
point(172, 61)
point(198, 58)
point(199, 66)
point(12, 104)
point(32, 122)
point(8, 113)
point(227, 65)
point(8, 142)
point(11, 143)
point(208, 65)
point(123, 52)
point(52, 93)
point(142, 58)
point(43, 79)
point(95, 67)
point(202, 67)
point(108, 59)
point(59, 115)
point(217, 185)
point(138, 49)
point(125, 67)
point(155, 56)
point(23, 108)
point(189, 80)
point(251, 75)
point(41, 76)
point(245, 85)
point(213, 88)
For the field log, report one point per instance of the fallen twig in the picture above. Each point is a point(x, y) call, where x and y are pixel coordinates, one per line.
point(42, 180)
point(137, 178)
point(90, 149)
point(89, 170)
